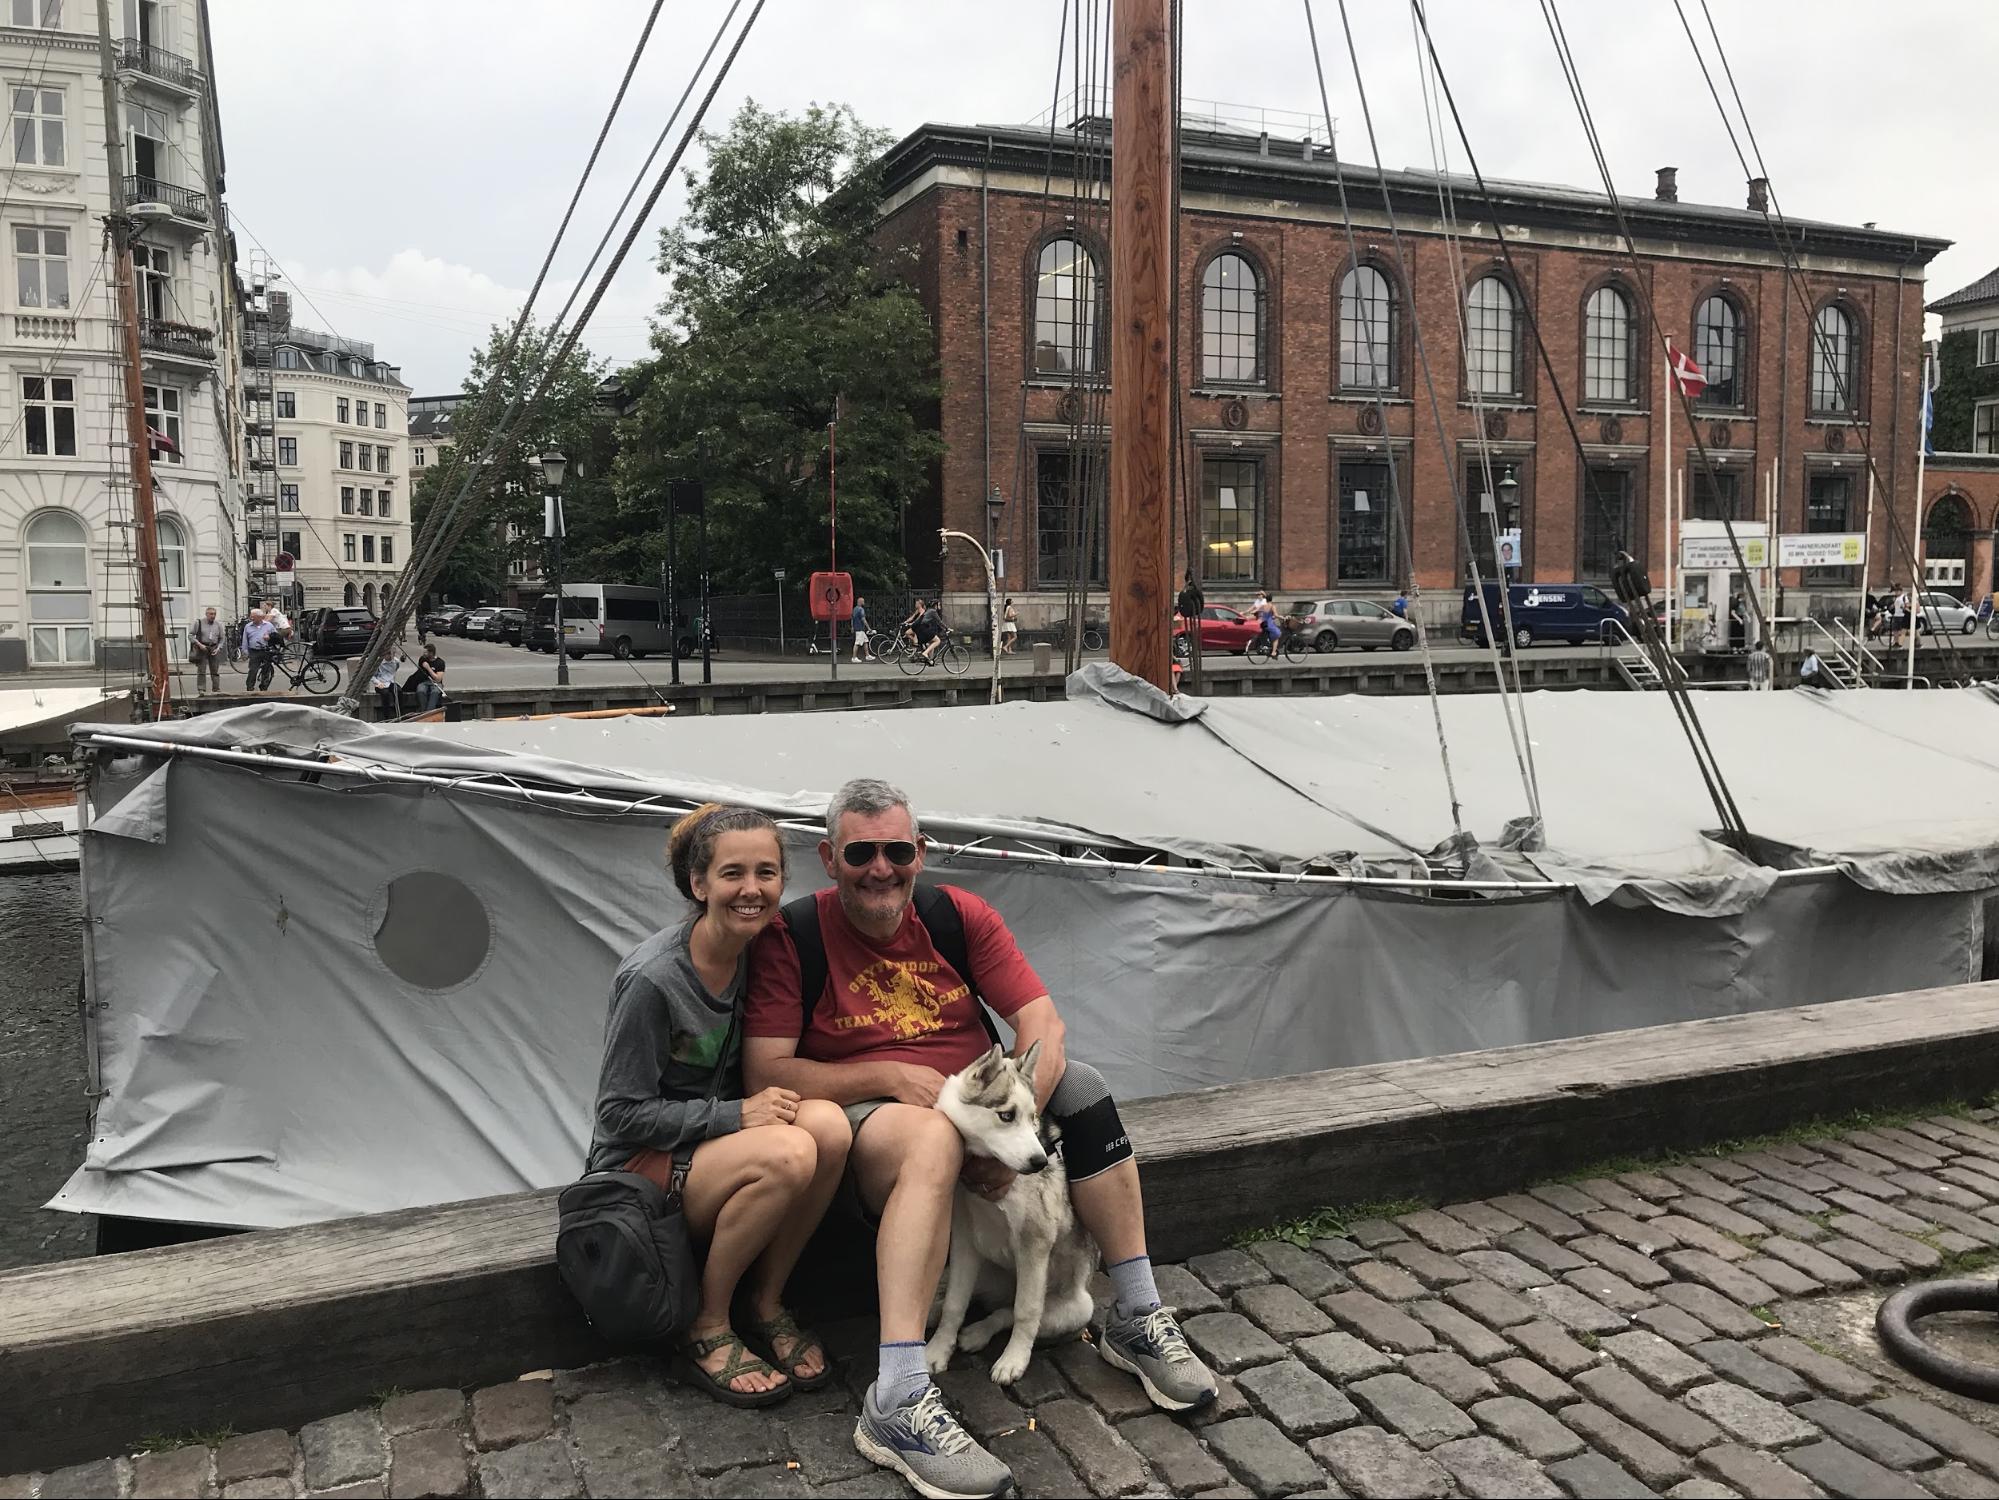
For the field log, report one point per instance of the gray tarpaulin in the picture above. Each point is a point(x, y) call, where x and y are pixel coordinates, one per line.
point(264, 1063)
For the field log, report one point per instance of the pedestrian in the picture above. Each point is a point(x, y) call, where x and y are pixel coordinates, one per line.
point(1898, 616)
point(1009, 629)
point(1812, 673)
point(1188, 607)
point(384, 683)
point(1400, 608)
point(427, 681)
point(413, 684)
point(205, 651)
point(280, 622)
point(858, 623)
point(260, 642)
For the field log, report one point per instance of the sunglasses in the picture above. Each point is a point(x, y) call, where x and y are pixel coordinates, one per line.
point(861, 853)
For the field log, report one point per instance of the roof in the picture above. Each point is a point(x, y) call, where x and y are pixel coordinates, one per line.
point(1237, 164)
point(1984, 289)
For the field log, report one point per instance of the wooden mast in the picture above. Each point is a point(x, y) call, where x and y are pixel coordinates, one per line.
point(1141, 338)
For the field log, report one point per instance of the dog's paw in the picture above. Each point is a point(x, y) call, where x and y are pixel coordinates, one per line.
point(1012, 1364)
point(975, 1336)
point(937, 1355)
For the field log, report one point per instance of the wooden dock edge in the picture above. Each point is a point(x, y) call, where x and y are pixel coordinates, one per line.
point(279, 1327)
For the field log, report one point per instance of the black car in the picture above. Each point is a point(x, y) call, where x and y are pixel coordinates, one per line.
point(337, 632)
point(438, 621)
point(456, 624)
point(509, 625)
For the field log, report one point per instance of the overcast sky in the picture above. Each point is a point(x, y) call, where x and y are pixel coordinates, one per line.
point(406, 161)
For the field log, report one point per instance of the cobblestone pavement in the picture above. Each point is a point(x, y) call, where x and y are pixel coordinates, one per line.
point(1618, 1335)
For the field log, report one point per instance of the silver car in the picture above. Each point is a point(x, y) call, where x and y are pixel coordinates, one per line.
point(1946, 612)
point(1329, 624)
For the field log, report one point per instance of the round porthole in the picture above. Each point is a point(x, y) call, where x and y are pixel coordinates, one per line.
point(434, 931)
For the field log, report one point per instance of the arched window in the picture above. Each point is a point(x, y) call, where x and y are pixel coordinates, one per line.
point(368, 598)
point(349, 599)
point(1493, 329)
point(173, 569)
point(1721, 349)
point(1607, 363)
point(58, 590)
point(1367, 331)
point(1947, 542)
point(287, 359)
point(1835, 386)
point(1231, 318)
point(1065, 310)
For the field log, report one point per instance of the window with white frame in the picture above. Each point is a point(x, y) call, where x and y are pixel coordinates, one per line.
point(340, 410)
point(381, 460)
point(367, 502)
point(288, 541)
point(163, 417)
point(381, 415)
point(146, 135)
point(288, 451)
point(416, 458)
point(1231, 322)
point(288, 403)
point(367, 547)
point(382, 505)
point(388, 549)
point(1988, 346)
point(173, 554)
point(347, 546)
point(59, 604)
point(1493, 333)
point(153, 272)
point(48, 415)
point(346, 499)
point(39, 137)
point(41, 266)
point(1985, 427)
point(288, 498)
point(1834, 362)
point(367, 458)
point(37, 15)
point(1607, 346)
point(346, 455)
point(287, 359)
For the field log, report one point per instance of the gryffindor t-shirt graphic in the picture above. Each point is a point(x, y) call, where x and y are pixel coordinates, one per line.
point(890, 1002)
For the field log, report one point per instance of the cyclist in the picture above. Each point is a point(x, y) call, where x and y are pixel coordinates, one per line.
point(929, 631)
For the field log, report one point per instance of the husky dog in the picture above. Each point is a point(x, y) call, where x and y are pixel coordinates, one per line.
point(1026, 1249)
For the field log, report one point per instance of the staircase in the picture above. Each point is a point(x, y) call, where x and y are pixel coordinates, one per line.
point(1633, 665)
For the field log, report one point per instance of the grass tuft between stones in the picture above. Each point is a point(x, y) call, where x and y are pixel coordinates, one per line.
point(195, 1437)
point(1330, 1222)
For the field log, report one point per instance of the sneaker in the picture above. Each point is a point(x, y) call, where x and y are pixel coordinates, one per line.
point(1152, 1347)
point(925, 1445)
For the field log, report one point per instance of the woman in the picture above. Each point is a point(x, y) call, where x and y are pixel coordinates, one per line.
point(762, 1169)
point(1009, 629)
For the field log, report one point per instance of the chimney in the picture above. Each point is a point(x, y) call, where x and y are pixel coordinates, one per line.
point(281, 310)
point(1759, 195)
point(1668, 190)
point(1263, 144)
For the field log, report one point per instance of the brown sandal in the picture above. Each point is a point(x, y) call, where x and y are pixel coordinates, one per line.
point(785, 1326)
point(740, 1363)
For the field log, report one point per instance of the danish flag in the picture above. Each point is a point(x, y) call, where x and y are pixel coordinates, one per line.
point(1685, 372)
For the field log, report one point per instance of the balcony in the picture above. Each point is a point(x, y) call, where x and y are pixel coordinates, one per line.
point(157, 63)
point(179, 343)
point(149, 195)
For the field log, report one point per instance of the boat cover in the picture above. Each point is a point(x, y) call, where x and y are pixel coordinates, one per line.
point(319, 995)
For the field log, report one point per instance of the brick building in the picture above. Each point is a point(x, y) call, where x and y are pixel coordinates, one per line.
point(1285, 348)
point(1961, 487)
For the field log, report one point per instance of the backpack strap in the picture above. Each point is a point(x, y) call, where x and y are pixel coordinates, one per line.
point(801, 920)
point(946, 926)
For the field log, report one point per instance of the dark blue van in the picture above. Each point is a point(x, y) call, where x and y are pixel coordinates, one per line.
point(1574, 612)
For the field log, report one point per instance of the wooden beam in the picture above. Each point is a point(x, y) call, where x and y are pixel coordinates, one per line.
point(277, 1328)
point(1141, 340)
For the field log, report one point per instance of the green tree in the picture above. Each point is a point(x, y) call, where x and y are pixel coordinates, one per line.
point(781, 305)
point(508, 525)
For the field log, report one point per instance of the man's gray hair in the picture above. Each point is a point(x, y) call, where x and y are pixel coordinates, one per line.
point(867, 796)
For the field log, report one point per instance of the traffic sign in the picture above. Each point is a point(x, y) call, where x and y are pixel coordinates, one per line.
point(832, 595)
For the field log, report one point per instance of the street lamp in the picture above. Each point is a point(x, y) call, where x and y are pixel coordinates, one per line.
point(553, 467)
point(944, 534)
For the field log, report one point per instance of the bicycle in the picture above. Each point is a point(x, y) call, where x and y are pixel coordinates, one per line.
point(1093, 635)
point(950, 656)
point(1294, 646)
point(301, 669)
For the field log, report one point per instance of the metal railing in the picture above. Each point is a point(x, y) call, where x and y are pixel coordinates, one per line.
point(1641, 673)
point(1854, 652)
point(157, 62)
point(181, 340)
point(185, 203)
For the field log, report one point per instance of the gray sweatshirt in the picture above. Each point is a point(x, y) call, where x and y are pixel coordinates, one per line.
point(660, 1050)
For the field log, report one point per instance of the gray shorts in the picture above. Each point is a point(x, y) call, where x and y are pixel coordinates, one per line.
point(857, 1114)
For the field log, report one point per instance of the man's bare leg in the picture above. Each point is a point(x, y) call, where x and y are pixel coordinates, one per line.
point(906, 1162)
point(1111, 1207)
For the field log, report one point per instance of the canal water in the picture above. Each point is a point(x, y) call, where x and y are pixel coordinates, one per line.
point(42, 1104)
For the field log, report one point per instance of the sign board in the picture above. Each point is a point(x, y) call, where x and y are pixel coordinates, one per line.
point(778, 574)
point(832, 595)
point(1822, 549)
point(551, 516)
point(283, 562)
point(284, 578)
point(1712, 554)
point(1509, 548)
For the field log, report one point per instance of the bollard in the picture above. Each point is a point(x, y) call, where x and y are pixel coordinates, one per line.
point(1044, 657)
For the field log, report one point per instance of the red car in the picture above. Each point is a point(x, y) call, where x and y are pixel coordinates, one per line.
point(1222, 629)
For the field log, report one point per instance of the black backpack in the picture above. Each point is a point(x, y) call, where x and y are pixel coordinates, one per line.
point(622, 1246)
point(941, 919)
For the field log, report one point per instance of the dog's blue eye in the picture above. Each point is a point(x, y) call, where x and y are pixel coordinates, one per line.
point(1006, 1116)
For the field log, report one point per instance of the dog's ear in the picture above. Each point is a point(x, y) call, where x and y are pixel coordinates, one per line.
point(990, 1063)
point(1025, 1066)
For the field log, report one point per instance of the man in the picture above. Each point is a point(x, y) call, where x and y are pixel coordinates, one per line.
point(280, 622)
point(1400, 608)
point(891, 1018)
point(207, 652)
point(428, 680)
point(261, 644)
point(858, 622)
point(1190, 604)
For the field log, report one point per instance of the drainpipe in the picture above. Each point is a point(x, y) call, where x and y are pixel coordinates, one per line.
point(986, 337)
point(1916, 584)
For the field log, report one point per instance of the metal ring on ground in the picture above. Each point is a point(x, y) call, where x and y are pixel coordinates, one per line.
point(1896, 1321)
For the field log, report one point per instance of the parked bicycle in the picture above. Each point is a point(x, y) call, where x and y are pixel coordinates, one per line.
point(949, 655)
point(1094, 636)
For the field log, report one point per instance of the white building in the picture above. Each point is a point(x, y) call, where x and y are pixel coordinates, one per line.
point(342, 428)
point(68, 581)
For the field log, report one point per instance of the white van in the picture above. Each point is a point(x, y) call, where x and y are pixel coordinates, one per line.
point(623, 619)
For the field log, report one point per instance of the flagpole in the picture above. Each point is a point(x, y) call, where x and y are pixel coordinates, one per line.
point(1917, 588)
point(1666, 511)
